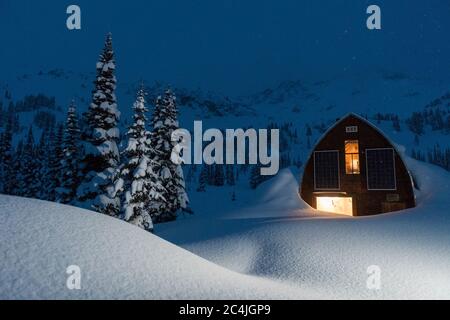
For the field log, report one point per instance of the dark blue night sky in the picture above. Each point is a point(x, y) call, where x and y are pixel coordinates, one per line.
point(232, 46)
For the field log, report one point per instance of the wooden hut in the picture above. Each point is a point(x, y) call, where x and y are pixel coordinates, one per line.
point(355, 170)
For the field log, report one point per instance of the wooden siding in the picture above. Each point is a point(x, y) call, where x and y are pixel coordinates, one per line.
point(365, 202)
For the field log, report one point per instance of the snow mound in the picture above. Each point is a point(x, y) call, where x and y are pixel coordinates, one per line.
point(272, 250)
point(275, 198)
point(40, 240)
point(329, 255)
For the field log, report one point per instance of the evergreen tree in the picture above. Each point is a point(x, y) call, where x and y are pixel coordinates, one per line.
point(2, 147)
point(138, 185)
point(164, 123)
point(211, 174)
point(100, 137)
point(2, 115)
point(416, 123)
point(416, 140)
point(230, 175)
point(71, 153)
point(48, 157)
point(447, 124)
point(29, 168)
point(191, 173)
point(7, 153)
point(219, 176)
point(18, 181)
point(202, 179)
point(396, 124)
point(42, 165)
point(437, 120)
point(255, 176)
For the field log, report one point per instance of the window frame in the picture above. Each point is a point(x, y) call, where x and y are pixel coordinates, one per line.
point(338, 171)
point(393, 164)
point(352, 173)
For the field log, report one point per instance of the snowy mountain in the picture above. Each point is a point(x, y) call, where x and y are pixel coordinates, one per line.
point(376, 95)
point(366, 94)
point(363, 93)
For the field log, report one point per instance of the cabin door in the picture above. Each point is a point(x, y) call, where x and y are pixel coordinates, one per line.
point(338, 205)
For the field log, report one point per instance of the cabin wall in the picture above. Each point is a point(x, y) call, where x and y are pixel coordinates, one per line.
point(365, 202)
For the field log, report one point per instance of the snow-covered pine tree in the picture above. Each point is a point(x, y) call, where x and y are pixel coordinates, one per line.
point(42, 164)
point(137, 185)
point(29, 187)
point(100, 137)
point(182, 202)
point(155, 204)
point(71, 154)
point(56, 155)
point(1, 162)
point(164, 123)
point(17, 182)
point(7, 154)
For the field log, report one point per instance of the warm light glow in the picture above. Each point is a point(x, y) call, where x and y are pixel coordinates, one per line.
point(352, 157)
point(339, 205)
point(351, 146)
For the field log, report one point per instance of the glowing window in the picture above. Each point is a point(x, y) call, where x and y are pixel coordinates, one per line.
point(352, 157)
point(339, 205)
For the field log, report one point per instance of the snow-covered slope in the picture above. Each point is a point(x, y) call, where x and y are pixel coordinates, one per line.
point(276, 247)
point(39, 240)
point(330, 254)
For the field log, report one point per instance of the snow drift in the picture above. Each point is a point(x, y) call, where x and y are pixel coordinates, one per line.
point(331, 255)
point(277, 248)
point(39, 240)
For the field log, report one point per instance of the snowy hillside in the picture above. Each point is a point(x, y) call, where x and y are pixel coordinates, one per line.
point(274, 248)
point(118, 261)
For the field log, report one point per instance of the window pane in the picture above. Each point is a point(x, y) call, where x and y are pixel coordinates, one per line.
point(351, 146)
point(352, 157)
point(355, 163)
point(326, 170)
point(380, 169)
point(348, 164)
point(352, 164)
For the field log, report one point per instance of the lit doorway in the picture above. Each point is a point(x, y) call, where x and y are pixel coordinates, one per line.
point(339, 205)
